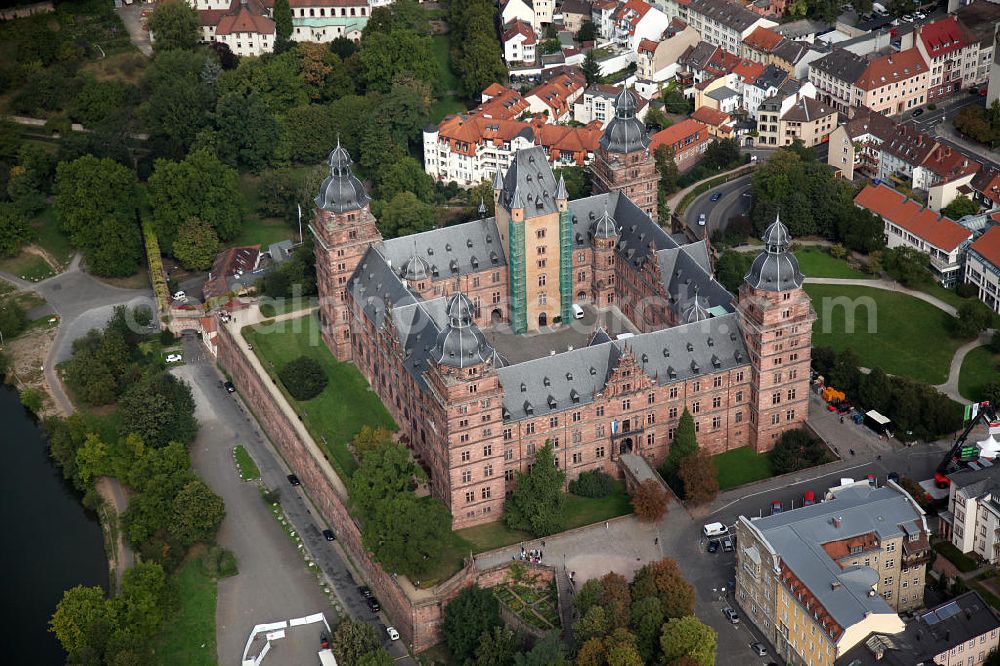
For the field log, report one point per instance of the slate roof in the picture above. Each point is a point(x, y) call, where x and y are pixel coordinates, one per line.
point(807, 109)
point(772, 77)
point(791, 51)
point(698, 56)
point(556, 383)
point(451, 251)
point(798, 537)
point(842, 65)
point(733, 16)
point(801, 28)
point(530, 175)
point(725, 92)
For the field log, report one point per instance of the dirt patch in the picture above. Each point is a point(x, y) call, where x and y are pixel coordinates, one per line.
point(39, 251)
point(120, 555)
point(139, 280)
point(27, 354)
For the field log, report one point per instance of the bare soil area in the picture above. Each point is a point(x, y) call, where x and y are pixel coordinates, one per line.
point(27, 354)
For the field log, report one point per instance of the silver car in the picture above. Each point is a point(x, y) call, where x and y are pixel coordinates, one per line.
point(731, 615)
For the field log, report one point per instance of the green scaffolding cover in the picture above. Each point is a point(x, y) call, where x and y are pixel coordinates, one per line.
point(518, 297)
point(566, 266)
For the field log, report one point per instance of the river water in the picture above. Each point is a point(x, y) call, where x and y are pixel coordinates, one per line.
point(49, 544)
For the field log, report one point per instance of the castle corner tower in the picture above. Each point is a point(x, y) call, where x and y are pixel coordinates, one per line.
point(776, 317)
point(623, 162)
point(344, 228)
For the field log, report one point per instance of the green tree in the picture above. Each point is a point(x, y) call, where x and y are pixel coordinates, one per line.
point(547, 651)
point(96, 207)
point(13, 230)
point(588, 596)
point(496, 647)
point(386, 56)
point(698, 474)
point(907, 265)
point(795, 450)
point(577, 179)
point(722, 154)
point(472, 613)
point(160, 409)
point(83, 622)
point(688, 637)
point(196, 244)
point(731, 267)
point(248, 132)
point(406, 215)
point(277, 80)
point(662, 579)
point(197, 514)
point(303, 377)
point(592, 625)
point(144, 598)
point(591, 68)
point(352, 640)
point(973, 318)
point(408, 533)
point(174, 25)
point(536, 505)
point(408, 108)
point(384, 471)
point(960, 207)
point(199, 187)
point(406, 175)
point(282, 24)
point(179, 101)
point(685, 443)
point(587, 32)
point(666, 167)
point(98, 101)
point(646, 621)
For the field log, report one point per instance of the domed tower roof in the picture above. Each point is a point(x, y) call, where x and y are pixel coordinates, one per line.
point(775, 269)
point(461, 344)
point(605, 226)
point(416, 268)
point(625, 133)
point(341, 191)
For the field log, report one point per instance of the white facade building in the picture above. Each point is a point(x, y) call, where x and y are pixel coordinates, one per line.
point(982, 267)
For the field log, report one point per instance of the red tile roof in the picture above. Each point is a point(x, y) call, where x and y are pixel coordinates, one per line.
point(934, 229)
point(555, 92)
point(502, 102)
point(683, 133)
point(944, 36)
point(748, 71)
point(950, 164)
point(647, 45)
point(210, 17)
point(891, 69)
point(763, 39)
point(710, 116)
point(631, 13)
point(988, 246)
point(579, 141)
point(518, 27)
point(245, 21)
point(465, 132)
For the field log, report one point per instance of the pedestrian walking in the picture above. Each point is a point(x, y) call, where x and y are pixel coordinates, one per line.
point(852, 451)
point(607, 525)
point(656, 541)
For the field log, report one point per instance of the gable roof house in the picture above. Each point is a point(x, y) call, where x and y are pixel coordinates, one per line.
point(554, 98)
point(658, 61)
point(637, 20)
point(951, 51)
point(834, 76)
point(894, 83)
point(519, 42)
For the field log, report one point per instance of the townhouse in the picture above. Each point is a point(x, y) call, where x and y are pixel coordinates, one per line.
point(794, 57)
point(499, 101)
point(537, 13)
point(819, 580)
point(658, 60)
point(723, 23)
point(806, 119)
point(895, 83)
point(597, 104)
point(602, 14)
point(637, 20)
point(834, 76)
point(759, 45)
point(909, 224)
point(981, 19)
point(720, 124)
point(554, 97)
point(982, 268)
point(951, 52)
point(519, 42)
point(689, 139)
point(765, 85)
point(574, 14)
point(972, 520)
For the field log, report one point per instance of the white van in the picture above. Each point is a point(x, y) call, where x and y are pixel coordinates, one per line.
point(577, 312)
point(714, 530)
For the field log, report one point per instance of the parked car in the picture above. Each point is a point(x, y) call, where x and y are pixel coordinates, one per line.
point(365, 591)
point(917, 112)
point(809, 498)
point(393, 634)
point(229, 387)
point(759, 649)
point(294, 480)
point(174, 358)
point(844, 406)
point(716, 196)
point(731, 615)
point(894, 477)
point(701, 220)
point(713, 546)
point(871, 480)
point(328, 535)
point(775, 507)
point(180, 296)
point(727, 545)
point(373, 604)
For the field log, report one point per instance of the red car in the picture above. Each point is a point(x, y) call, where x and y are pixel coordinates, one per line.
point(809, 498)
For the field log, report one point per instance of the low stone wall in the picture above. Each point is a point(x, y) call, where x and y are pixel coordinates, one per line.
point(418, 620)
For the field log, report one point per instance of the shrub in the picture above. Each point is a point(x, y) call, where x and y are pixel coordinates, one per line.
point(593, 483)
point(32, 399)
point(796, 450)
point(167, 337)
point(966, 290)
point(303, 377)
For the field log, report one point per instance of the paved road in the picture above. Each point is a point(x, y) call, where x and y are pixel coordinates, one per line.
point(718, 213)
point(273, 583)
point(131, 16)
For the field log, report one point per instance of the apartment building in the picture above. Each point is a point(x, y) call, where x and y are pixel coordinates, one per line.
point(574, 14)
point(602, 14)
point(794, 58)
point(689, 140)
point(982, 268)
point(765, 85)
point(760, 44)
point(554, 97)
point(981, 19)
point(809, 121)
point(952, 53)
point(720, 124)
point(635, 21)
point(657, 60)
point(959, 632)
point(834, 76)
point(818, 580)
point(723, 23)
point(597, 103)
point(499, 101)
point(895, 83)
point(972, 521)
point(520, 10)
point(908, 224)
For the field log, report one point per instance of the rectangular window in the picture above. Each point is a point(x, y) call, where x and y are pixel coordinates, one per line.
point(508, 475)
point(487, 450)
point(599, 411)
point(673, 392)
point(487, 492)
point(554, 422)
point(599, 452)
point(508, 454)
point(465, 456)
point(577, 458)
point(530, 428)
point(716, 402)
point(470, 497)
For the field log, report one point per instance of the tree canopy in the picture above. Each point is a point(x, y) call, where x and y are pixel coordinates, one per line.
point(174, 25)
point(303, 377)
point(536, 505)
point(688, 637)
point(471, 614)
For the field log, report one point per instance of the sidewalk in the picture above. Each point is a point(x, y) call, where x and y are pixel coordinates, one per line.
point(678, 196)
point(887, 285)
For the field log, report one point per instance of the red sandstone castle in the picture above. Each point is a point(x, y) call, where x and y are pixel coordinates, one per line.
point(411, 313)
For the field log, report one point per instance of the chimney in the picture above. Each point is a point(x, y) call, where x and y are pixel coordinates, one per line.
point(835, 585)
point(836, 522)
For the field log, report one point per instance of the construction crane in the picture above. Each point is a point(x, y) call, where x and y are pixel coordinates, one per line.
point(961, 454)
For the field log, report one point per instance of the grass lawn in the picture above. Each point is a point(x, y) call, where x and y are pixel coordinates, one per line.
point(949, 296)
point(817, 262)
point(281, 306)
point(345, 405)
point(449, 102)
point(27, 266)
point(980, 367)
point(962, 562)
point(193, 625)
point(742, 465)
point(49, 237)
point(244, 463)
point(910, 337)
point(264, 231)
